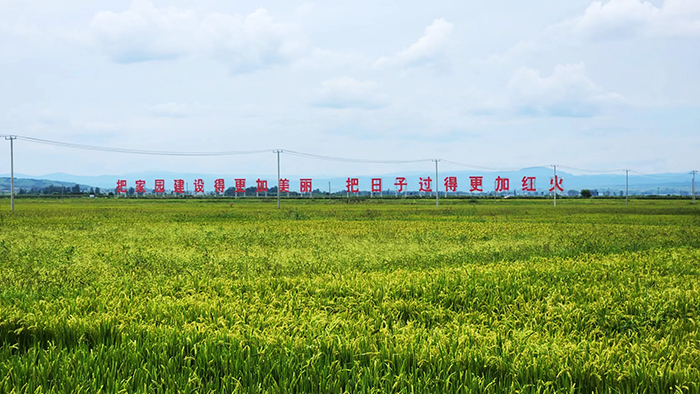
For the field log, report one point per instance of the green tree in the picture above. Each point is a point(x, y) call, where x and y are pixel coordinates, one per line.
point(585, 193)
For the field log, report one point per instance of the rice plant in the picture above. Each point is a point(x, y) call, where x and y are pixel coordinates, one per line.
point(374, 296)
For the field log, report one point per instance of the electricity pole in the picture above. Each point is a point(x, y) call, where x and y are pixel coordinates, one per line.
point(12, 171)
point(437, 199)
point(278, 151)
point(693, 174)
point(627, 188)
point(555, 184)
point(495, 190)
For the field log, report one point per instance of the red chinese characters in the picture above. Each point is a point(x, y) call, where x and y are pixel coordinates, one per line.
point(502, 184)
point(140, 186)
point(240, 186)
point(476, 183)
point(199, 186)
point(529, 184)
point(451, 184)
point(121, 186)
point(179, 186)
point(305, 185)
point(556, 183)
point(424, 184)
point(261, 186)
point(284, 185)
point(352, 185)
point(376, 185)
point(400, 183)
point(159, 186)
point(219, 186)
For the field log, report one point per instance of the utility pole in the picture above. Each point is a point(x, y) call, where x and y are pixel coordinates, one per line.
point(278, 151)
point(627, 188)
point(495, 190)
point(329, 190)
point(437, 199)
point(12, 171)
point(693, 174)
point(555, 184)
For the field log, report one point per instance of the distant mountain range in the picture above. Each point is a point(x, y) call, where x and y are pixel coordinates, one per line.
point(669, 183)
point(31, 183)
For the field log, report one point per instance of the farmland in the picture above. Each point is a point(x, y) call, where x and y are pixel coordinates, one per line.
point(333, 296)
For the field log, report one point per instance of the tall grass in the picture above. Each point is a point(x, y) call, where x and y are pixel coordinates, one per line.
point(201, 296)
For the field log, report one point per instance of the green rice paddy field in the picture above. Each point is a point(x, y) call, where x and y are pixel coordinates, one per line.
point(361, 296)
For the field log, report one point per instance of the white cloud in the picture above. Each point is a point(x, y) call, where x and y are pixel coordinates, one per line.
point(101, 127)
point(169, 110)
point(145, 32)
point(319, 59)
point(613, 20)
point(635, 18)
point(256, 41)
point(430, 48)
point(567, 92)
point(350, 93)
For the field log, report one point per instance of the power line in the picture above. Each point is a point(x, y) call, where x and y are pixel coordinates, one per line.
point(136, 151)
point(591, 171)
point(479, 167)
point(293, 153)
point(351, 160)
point(650, 175)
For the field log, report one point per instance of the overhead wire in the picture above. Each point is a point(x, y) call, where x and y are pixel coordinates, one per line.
point(136, 151)
point(352, 160)
point(590, 171)
point(294, 153)
point(484, 167)
point(657, 176)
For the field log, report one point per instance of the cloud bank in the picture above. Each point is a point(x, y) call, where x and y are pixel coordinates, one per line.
point(145, 32)
point(567, 92)
point(430, 48)
point(350, 93)
point(614, 20)
point(170, 110)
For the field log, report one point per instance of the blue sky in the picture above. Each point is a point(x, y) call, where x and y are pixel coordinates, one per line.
point(596, 85)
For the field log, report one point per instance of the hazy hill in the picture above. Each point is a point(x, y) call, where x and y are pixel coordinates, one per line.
point(24, 183)
point(672, 183)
